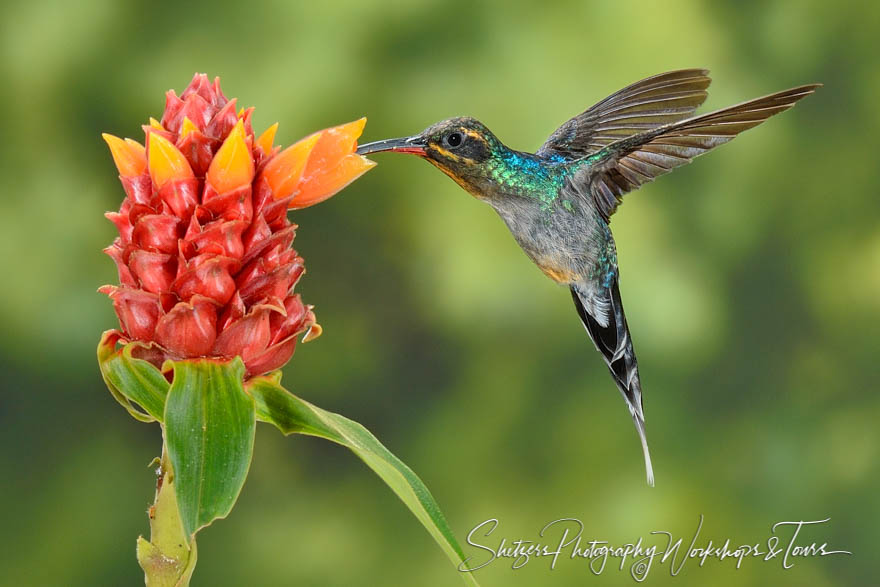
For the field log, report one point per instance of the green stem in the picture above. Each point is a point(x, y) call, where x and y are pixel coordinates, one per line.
point(168, 558)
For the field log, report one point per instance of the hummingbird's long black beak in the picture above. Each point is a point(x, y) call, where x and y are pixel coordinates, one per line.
point(415, 145)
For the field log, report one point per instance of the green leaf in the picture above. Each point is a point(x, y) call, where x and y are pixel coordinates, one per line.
point(132, 380)
point(293, 415)
point(209, 434)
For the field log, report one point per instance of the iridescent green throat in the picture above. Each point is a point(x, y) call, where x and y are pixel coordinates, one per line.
point(527, 175)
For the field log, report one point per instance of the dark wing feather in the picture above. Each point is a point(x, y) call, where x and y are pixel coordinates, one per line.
point(646, 104)
point(625, 165)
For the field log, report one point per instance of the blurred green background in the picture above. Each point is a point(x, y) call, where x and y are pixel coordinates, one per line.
point(751, 281)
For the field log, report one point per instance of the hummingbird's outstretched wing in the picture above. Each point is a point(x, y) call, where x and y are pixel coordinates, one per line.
point(646, 104)
point(613, 340)
point(628, 163)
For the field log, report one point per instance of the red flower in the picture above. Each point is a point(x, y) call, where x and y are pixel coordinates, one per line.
point(206, 267)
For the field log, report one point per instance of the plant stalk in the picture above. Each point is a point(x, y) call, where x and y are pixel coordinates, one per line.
point(169, 557)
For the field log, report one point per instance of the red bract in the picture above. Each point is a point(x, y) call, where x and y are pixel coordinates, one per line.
point(206, 267)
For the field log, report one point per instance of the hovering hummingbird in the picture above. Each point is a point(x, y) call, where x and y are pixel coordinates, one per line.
point(558, 201)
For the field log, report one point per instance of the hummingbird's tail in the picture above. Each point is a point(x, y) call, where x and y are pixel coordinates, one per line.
point(612, 339)
point(640, 427)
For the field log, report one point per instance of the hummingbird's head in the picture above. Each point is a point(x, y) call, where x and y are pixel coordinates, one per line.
point(460, 147)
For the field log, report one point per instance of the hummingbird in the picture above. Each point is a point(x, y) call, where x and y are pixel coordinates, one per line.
point(558, 201)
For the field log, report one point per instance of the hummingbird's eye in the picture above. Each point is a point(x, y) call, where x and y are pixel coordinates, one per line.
point(454, 139)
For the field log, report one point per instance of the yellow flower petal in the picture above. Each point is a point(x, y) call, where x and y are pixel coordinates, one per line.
point(187, 127)
point(267, 138)
point(128, 155)
point(156, 124)
point(166, 162)
point(233, 165)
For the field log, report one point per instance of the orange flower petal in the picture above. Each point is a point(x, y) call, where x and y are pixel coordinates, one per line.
point(166, 162)
point(128, 155)
point(266, 139)
point(285, 169)
point(327, 182)
point(233, 165)
point(136, 145)
point(335, 143)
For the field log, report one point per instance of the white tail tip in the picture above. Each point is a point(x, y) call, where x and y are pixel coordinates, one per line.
point(640, 426)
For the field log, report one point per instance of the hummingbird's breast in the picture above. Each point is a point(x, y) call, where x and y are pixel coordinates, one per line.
point(558, 229)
